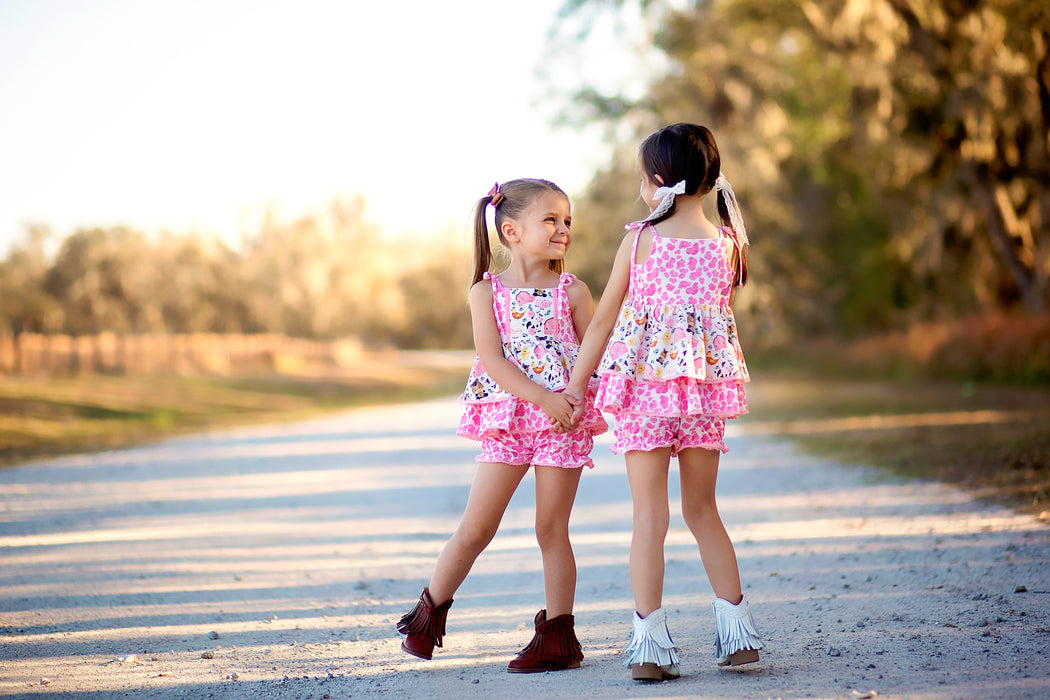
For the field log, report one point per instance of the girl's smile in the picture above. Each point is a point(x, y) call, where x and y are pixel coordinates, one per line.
point(543, 230)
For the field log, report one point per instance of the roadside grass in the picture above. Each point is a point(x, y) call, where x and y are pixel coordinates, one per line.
point(991, 439)
point(46, 416)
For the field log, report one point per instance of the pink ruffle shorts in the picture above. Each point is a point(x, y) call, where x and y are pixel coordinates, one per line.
point(546, 448)
point(635, 431)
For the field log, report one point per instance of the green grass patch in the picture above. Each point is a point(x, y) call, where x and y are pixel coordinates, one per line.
point(44, 416)
point(992, 439)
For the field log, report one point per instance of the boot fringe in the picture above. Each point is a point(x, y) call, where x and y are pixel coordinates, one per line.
point(425, 619)
point(555, 640)
point(554, 646)
point(651, 642)
point(736, 629)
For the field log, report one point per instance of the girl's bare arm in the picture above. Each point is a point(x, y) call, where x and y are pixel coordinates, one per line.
point(604, 320)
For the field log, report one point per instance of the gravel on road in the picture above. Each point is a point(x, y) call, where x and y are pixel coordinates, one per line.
point(274, 561)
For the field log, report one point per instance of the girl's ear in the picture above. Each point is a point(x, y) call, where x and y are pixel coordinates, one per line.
point(658, 180)
point(509, 231)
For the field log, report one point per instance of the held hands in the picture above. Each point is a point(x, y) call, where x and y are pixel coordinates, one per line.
point(577, 394)
point(560, 409)
point(560, 423)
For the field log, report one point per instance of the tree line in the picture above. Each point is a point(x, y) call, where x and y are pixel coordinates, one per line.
point(892, 159)
point(325, 276)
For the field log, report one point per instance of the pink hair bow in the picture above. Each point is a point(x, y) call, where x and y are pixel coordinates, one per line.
point(496, 195)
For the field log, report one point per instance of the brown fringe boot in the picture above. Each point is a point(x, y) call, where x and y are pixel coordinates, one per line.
point(554, 647)
point(424, 625)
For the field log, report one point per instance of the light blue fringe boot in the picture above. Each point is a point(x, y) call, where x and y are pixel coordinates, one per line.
point(651, 655)
point(736, 638)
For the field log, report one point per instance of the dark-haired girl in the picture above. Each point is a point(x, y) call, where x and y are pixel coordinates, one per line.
point(671, 372)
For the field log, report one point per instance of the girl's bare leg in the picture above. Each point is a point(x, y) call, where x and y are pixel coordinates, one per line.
point(699, 471)
point(555, 494)
point(647, 474)
point(493, 486)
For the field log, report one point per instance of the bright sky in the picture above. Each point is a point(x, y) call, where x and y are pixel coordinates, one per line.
point(201, 114)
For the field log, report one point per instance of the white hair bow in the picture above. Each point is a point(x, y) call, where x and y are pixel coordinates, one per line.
point(722, 185)
point(666, 196)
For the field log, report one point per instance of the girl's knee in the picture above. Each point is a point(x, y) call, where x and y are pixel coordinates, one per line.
point(656, 515)
point(474, 539)
point(552, 534)
point(700, 504)
point(702, 515)
point(652, 523)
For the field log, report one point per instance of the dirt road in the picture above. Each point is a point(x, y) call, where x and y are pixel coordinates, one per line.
point(273, 562)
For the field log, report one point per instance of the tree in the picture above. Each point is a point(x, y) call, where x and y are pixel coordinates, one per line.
point(966, 86)
point(99, 279)
point(25, 305)
point(890, 155)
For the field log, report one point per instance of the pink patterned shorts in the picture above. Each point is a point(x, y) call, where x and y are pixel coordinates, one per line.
point(635, 431)
point(543, 449)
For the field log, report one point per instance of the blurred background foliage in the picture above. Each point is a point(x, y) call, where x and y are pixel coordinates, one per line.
point(891, 157)
point(324, 276)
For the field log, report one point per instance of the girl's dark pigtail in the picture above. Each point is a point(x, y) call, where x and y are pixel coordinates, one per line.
point(729, 213)
point(723, 209)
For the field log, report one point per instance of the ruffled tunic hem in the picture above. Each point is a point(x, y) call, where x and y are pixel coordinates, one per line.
point(679, 396)
point(490, 418)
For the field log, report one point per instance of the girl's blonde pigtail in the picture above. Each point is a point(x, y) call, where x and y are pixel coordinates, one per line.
point(482, 247)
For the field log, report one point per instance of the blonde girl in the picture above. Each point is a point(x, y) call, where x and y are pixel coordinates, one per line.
point(527, 323)
point(671, 372)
